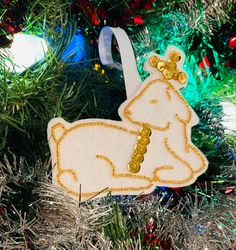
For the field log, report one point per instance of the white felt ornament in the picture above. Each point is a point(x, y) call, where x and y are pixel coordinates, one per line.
point(151, 145)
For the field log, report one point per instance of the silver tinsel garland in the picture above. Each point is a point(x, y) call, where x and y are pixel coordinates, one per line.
point(199, 220)
point(207, 15)
point(64, 223)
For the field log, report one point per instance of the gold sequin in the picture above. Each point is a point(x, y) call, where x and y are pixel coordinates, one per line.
point(161, 65)
point(174, 56)
point(144, 141)
point(175, 75)
point(168, 74)
point(169, 68)
point(145, 132)
point(153, 61)
point(137, 157)
point(182, 78)
point(140, 149)
point(133, 167)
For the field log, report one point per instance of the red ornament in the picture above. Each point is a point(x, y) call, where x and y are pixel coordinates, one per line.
point(204, 63)
point(232, 42)
point(138, 19)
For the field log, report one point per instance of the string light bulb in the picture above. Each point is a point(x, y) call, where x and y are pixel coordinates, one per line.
point(25, 51)
point(229, 117)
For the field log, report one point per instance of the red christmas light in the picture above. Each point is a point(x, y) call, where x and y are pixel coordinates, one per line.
point(204, 63)
point(138, 19)
point(232, 42)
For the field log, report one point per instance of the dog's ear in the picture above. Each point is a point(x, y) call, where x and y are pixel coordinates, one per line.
point(56, 129)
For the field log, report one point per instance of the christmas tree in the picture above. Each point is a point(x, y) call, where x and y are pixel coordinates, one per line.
point(50, 67)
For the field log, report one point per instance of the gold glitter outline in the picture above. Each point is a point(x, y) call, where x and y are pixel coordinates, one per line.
point(179, 158)
point(193, 148)
point(127, 114)
point(153, 101)
point(114, 174)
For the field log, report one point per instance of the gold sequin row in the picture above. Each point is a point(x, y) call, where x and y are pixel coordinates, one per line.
point(169, 68)
point(140, 149)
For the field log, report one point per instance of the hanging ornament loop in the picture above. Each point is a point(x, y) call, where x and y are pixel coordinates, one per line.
point(131, 76)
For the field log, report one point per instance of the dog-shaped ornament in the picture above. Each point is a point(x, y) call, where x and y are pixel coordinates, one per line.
point(151, 145)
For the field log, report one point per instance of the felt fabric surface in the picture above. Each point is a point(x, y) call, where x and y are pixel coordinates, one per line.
point(92, 157)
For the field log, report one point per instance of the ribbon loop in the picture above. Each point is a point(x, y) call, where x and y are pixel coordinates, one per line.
point(131, 76)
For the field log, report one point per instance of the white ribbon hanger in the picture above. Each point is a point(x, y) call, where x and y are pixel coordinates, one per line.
point(131, 76)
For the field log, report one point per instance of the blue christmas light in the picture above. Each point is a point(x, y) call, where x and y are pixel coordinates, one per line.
point(75, 51)
point(27, 50)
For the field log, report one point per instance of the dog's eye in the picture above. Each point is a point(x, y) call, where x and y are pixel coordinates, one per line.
point(154, 101)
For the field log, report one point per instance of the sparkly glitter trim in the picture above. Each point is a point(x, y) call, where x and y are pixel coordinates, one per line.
point(114, 174)
point(127, 114)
